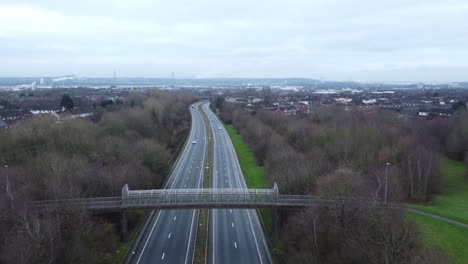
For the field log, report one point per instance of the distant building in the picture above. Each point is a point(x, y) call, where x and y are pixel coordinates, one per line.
point(343, 100)
point(13, 115)
point(3, 124)
point(369, 102)
point(424, 113)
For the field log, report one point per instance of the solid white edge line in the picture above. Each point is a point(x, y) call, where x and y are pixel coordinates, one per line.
point(238, 172)
point(146, 243)
point(178, 168)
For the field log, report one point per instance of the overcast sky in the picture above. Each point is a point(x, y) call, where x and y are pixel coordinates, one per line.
point(359, 40)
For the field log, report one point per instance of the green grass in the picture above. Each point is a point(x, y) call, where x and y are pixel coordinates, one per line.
point(452, 202)
point(255, 178)
point(254, 174)
point(449, 238)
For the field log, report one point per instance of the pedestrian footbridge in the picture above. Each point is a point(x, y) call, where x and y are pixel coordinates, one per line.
point(188, 198)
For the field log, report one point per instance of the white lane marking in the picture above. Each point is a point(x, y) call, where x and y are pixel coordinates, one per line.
point(174, 179)
point(185, 185)
point(255, 237)
point(164, 253)
point(175, 217)
point(230, 210)
point(235, 244)
point(232, 224)
point(151, 232)
point(238, 173)
point(169, 236)
point(213, 233)
point(193, 215)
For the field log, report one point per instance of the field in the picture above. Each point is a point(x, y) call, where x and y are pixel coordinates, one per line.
point(449, 238)
point(451, 203)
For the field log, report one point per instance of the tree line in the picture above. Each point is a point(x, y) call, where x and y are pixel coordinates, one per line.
point(337, 153)
point(131, 143)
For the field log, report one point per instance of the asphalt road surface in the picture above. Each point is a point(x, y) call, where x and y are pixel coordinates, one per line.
point(235, 235)
point(170, 234)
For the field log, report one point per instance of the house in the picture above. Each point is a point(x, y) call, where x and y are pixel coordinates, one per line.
point(288, 110)
point(343, 100)
point(230, 99)
point(3, 124)
point(424, 113)
point(369, 102)
point(13, 115)
point(303, 108)
point(409, 111)
point(442, 111)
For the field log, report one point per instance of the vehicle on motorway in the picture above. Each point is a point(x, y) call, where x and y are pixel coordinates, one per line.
point(194, 142)
point(219, 128)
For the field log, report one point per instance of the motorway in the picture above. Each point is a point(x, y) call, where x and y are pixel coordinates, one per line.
point(170, 234)
point(235, 235)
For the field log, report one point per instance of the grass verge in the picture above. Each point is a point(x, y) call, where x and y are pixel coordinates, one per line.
point(254, 174)
point(125, 246)
point(450, 239)
point(255, 178)
point(453, 201)
point(202, 230)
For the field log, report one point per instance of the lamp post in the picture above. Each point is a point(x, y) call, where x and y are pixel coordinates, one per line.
point(8, 187)
point(7, 180)
point(386, 181)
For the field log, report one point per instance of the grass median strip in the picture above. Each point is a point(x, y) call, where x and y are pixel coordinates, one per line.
point(202, 231)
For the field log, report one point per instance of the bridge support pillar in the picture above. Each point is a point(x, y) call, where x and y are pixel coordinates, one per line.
point(276, 221)
point(124, 226)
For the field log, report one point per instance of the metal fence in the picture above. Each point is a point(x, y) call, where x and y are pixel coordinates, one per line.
point(176, 198)
point(201, 198)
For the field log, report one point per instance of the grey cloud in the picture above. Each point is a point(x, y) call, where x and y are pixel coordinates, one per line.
point(365, 40)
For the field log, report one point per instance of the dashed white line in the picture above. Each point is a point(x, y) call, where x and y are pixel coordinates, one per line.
point(169, 236)
point(232, 224)
point(164, 253)
point(235, 244)
point(151, 232)
point(175, 217)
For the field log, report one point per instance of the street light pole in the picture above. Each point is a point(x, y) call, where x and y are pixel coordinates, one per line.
point(386, 181)
point(8, 187)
